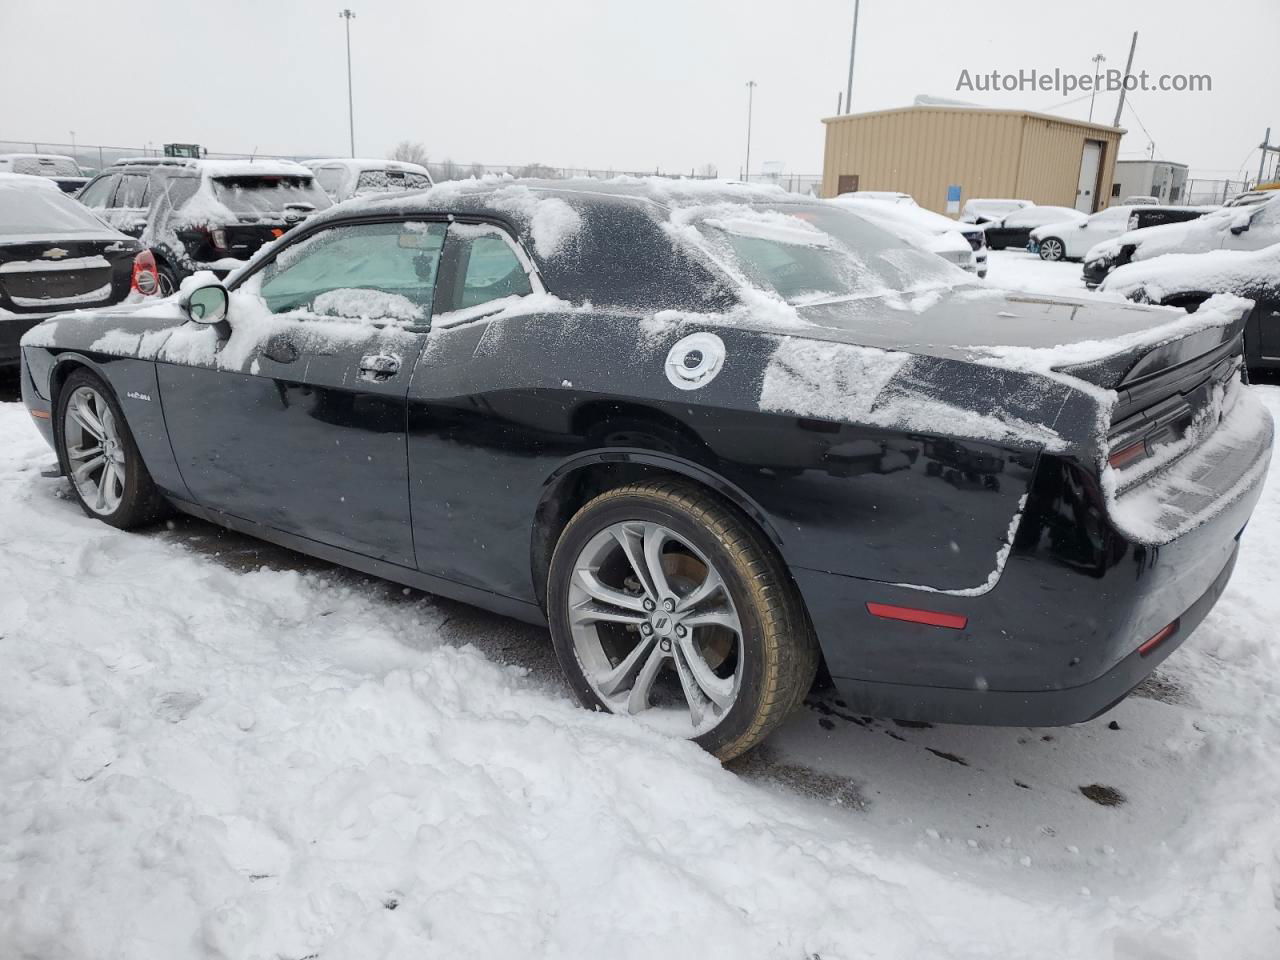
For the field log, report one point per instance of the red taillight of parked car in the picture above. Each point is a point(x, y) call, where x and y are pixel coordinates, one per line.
point(146, 277)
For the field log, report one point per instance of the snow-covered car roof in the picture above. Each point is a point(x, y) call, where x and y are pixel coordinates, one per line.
point(370, 163)
point(225, 168)
point(1036, 216)
point(25, 180)
point(1242, 272)
point(994, 205)
point(909, 214)
point(1191, 236)
point(882, 196)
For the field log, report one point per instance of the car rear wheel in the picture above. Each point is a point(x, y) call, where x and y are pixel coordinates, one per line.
point(98, 455)
point(667, 605)
point(1051, 248)
point(167, 280)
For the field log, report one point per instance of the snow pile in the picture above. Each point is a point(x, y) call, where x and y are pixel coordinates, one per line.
point(771, 225)
point(552, 222)
point(1216, 271)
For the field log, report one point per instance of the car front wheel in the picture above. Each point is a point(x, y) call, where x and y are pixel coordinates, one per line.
point(667, 605)
point(1051, 248)
point(98, 455)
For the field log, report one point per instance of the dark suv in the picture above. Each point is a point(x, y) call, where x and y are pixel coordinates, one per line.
point(203, 214)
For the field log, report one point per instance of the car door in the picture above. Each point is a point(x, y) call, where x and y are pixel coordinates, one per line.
point(299, 424)
point(128, 209)
point(1104, 225)
point(471, 469)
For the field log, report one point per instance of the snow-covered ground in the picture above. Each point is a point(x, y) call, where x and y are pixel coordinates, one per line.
point(209, 749)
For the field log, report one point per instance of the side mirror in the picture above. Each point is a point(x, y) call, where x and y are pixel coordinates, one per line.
point(1238, 229)
point(207, 304)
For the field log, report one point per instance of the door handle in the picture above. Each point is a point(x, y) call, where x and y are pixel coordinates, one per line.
point(379, 367)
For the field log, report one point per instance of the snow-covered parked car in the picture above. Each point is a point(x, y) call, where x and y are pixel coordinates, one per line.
point(54, 256)
point(203, 214)
point(1014, 229)
point(1228, 228)
point(710, 435)
point(61, 169)
point(1071, 239)
point(344, 178)
point(1189, 279)
point(959, 243)
point(984, 210)
point(882, 196)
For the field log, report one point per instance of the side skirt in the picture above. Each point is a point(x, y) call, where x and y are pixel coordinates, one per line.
point(496, 603)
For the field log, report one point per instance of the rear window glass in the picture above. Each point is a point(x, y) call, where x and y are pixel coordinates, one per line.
point(47, 166)
point(377, 181)
point(46, 212)
point(809, 253)
point(269, 195)
point(330, 178)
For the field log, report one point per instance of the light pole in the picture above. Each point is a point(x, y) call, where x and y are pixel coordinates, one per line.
point(348, 16)
point(751, 89)
point(853, 48)
point(1097, 65)
point(73, 147)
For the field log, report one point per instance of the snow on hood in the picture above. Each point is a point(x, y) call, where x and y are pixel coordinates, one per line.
point(1215, 271)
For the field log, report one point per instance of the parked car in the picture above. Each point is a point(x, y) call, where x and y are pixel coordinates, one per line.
point(1139, 198)
point(1071, 239)
point(1187, 280)
point(1250, 197)
point(1250, 227)
point(63, 171)
point(203, 214)
point(343, 179)
point(1153, 216)
point(959, 243)
point(54, 256)
point(690, 429)
point(985, 210)
point(1014, 229)
point(882, 196)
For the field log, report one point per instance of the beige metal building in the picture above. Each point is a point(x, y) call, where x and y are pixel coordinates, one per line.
point(929, 151)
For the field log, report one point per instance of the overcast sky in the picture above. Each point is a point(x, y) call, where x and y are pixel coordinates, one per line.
point(600, 83)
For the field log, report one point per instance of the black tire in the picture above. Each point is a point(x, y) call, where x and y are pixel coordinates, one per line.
point(140, 502)
point(1053, 249)
point(779, 652)
point(169, 282)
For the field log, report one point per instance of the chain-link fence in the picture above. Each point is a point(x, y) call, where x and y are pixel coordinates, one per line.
point(809, 184)
point(1197, 192)
point(94, 157)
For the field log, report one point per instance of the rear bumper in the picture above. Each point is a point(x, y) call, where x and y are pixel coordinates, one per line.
point(12, 327)
point(1055, 640)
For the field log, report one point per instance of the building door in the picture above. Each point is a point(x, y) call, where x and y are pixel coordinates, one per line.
point(847, 183)
point(1090, 167)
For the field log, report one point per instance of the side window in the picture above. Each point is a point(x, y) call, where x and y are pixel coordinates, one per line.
point(98, 194)
point(132, 191)
point(330, 179)
point(489, 266)
point(376, 272)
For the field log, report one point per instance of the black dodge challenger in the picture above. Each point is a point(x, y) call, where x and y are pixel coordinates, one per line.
point(717, 438)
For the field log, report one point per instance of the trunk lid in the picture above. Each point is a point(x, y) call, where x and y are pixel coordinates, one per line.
point(43, 276)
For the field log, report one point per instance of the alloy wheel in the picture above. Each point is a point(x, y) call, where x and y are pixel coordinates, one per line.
point(95, 451)
point(655, 629)
point(1051, 249)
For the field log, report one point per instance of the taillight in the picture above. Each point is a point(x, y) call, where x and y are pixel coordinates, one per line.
point(146, 278)
point(1126, 455)
point(1158, 639)
point(218, 237)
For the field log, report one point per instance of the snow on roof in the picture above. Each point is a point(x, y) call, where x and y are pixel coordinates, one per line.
point(1214, 271)
point(360, 164)
point(19, 180)
point(249, 168)
point(36, 156)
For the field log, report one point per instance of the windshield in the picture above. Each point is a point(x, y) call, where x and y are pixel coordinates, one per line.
point(45, 211)
point(265, 195)
point(809, 253)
